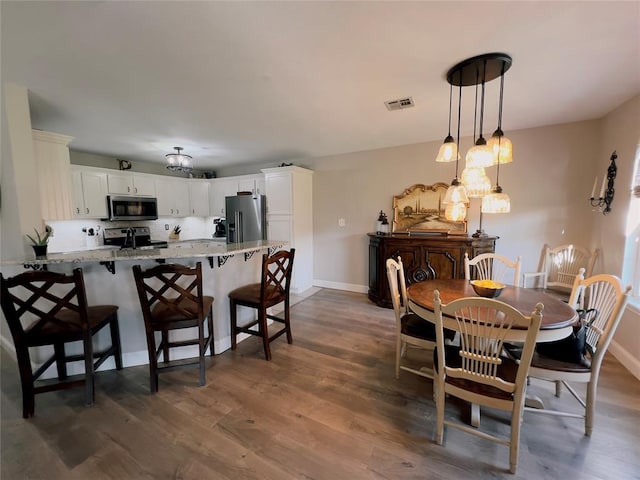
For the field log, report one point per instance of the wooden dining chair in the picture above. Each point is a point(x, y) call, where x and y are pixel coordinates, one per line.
point(272, 290)
point(476, 370)
point(48, 308)
point(492, 266)
point(559, 267)
point(412, 331)
point(605, 294)
point(171, 298)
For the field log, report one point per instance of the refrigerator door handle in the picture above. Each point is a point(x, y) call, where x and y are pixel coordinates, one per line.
point(239, 228)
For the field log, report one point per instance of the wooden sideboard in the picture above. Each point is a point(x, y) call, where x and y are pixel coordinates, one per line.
point(424, 257)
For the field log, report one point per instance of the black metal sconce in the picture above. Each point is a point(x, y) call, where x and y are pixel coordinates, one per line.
point(603, 202)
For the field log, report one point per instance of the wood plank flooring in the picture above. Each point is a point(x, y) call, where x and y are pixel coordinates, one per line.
point(326, 407)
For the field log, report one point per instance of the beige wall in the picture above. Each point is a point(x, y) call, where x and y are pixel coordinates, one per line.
point(548, 182)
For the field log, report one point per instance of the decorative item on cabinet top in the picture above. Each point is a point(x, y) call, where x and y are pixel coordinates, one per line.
point(420, 209)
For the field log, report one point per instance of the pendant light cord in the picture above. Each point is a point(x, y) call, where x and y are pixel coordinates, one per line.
point(484, 75)
point(450, 103)
point(458, 140)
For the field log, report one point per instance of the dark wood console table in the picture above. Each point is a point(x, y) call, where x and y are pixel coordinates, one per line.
point(424, 257)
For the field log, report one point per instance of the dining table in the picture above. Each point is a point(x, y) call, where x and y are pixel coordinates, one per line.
point(558, 317)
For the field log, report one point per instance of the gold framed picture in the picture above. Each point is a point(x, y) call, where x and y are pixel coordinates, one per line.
point(419, 209)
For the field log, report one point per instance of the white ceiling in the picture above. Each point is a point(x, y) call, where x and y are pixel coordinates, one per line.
point(256, 82)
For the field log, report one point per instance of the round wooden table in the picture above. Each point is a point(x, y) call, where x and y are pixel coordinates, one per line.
point(557, 316)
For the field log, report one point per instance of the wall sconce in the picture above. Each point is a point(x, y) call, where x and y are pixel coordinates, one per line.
point(603, 202)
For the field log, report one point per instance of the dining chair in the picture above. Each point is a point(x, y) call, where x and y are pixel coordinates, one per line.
point(492, 266)
point(558, 268)
point(171, 299)
point(606, 295)
point(412, 331)
point(476, 370)
point(46, 308)
point(272, 290)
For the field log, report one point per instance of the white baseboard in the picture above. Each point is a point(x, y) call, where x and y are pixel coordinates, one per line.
point(349, 287)
point(627, 360)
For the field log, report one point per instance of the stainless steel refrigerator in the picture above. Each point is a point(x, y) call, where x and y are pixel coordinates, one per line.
point(246, 218)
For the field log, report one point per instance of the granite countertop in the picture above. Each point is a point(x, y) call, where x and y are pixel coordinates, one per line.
point(181, 249)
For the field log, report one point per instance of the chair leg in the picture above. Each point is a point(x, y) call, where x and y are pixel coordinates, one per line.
point(516, 417)
point(591, 406)
point(264, 331)
point(398, 351)
point(153, 362)
point(115, 341)
point(440, 406)
point(287, 321)
point(211, 352)
point(234, 323)
point(88, 371)
point(201, 352)
point(26, 380)
point(165, 346)
point(558, 387)
point(61, 362)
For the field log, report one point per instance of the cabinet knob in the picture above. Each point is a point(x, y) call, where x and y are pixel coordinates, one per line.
point(136, 189)
point(87, 211)
point(78, 211)
point(172, 211)
point(128, 189)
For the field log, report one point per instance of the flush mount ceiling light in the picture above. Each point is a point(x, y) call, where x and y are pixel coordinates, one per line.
point(179, 162)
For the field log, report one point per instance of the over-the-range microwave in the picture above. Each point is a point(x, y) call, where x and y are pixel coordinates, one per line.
point(132, 208)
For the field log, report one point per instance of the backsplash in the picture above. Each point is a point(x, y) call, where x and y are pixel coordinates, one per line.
point(68, 234)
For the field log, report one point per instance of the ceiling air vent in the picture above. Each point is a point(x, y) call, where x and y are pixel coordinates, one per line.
point(399, 103)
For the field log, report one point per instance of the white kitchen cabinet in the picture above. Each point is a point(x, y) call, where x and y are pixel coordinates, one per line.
point(89, 193)
point(220, 189)
point(129, 184)
point(290, 217)
point(251, 183)
point(199, 198)
point(173, 197)
point(51, 155)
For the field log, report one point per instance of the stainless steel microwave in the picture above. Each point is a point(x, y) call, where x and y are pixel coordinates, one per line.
point(132, 208)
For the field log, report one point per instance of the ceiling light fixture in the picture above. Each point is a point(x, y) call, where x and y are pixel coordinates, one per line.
point(449, 149)
point(500, 145)
point(179, 162)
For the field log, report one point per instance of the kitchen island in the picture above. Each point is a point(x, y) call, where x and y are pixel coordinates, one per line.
point(109, 280)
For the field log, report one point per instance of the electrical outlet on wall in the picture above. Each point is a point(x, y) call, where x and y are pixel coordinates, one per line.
point(341, 222)
point(166, 226)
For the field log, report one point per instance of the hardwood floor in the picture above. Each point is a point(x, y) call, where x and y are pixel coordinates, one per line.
point(326, 407)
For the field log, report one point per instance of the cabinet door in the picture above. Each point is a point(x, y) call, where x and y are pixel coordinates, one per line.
point(165, 198)
point(246, 184)
point(94, 190)
point(144, 186)
point(181, 199)
point(280, 227)
point(260, 185)
point(278, 190)
point(222, 188)
point(120, 184)
point(199, 198)
point(77, 194)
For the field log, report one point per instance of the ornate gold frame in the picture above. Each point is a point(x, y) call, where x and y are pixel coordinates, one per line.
point(419, 209)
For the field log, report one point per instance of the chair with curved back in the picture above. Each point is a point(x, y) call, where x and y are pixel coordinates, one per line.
point(48, 308)
point(411, 329)
point(272, 290)
point(605, 294)
point(171, 298)
point(559, 267)
point(492, 266)
point(476, 371)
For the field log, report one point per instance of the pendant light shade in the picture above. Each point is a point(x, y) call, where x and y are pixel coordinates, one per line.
point(496, 202)
point(449, 149)
point(476, 182)
point(480, 155)
point(501, 147)
point(455, 212)
point(179, 162)
point(456, 193)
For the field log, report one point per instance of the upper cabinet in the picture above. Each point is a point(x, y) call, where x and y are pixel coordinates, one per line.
point(229, 187)
point(173, 197)
point(279, 186)
point(89, 193)
point(128, 184)
point(199, 198)
point(54, 182)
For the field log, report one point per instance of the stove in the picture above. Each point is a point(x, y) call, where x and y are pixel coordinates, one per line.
point(132, 238)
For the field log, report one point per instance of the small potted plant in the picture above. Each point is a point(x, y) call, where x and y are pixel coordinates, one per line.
point(39, 242)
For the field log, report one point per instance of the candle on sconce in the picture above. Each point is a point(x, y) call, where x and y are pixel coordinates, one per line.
point(604, 181)
point(593, 190)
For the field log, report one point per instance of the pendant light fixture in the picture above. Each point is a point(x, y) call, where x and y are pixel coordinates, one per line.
point(500, 145)
point(456, 198)
point(496, 201)
point(179, 162)
point(449, 150)
point(480, 155)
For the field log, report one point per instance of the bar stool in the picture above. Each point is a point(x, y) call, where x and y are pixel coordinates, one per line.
point(171, 299)
point(272, 290)
point(55, 305)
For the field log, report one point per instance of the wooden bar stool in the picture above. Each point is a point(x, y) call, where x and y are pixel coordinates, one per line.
point(55, 306)
point(171, 298)
point(272, 290)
